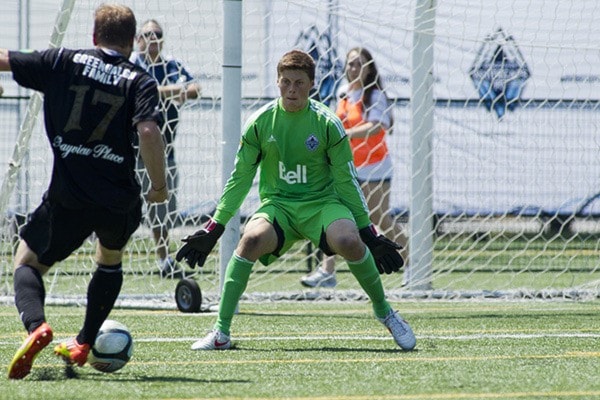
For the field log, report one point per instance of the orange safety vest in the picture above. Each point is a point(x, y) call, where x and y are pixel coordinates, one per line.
point(367, 150)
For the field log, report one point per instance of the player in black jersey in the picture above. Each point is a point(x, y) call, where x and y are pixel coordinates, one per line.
point(95, 100)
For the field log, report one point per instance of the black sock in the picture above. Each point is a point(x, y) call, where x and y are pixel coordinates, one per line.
point(103, 290)
point(29, 296)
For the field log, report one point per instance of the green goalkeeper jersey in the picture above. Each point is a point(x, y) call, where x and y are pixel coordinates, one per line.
point(303, 156)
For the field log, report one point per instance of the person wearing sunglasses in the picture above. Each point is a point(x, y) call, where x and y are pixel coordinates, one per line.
point(175, 85)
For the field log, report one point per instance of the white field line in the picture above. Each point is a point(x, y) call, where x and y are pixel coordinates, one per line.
point(517, 336)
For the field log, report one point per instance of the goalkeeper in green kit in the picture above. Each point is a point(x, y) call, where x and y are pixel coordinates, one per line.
point(308, 190)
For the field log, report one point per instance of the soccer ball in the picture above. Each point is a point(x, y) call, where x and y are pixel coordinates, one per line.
point(113, 347)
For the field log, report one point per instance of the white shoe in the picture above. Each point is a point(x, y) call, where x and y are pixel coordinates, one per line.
point(319, 278)
point(400, 330)
point(214, 340)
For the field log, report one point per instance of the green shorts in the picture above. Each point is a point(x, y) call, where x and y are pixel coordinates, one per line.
point(296, 221)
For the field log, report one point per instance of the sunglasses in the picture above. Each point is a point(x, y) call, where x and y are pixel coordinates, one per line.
point(152, 35)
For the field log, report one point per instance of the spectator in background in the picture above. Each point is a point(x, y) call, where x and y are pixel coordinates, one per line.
point(1, 90)
point(367, 117)
point(95, 101)
point(175, 86)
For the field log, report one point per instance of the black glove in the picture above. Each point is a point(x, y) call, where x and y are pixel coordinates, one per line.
point(384, 251)
point(199, 245)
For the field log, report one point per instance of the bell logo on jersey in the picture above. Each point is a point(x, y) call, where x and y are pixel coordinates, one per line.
point(295, 176)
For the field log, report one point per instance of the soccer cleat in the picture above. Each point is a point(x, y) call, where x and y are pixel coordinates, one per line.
point(214, 340)
point(72, 352)
point(170, 269)
point(400, 330)
point(20, 366)
point(319, 278)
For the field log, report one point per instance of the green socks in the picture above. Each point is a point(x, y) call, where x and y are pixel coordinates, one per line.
point(366, 274)
point(236, 280)
point(238, 273)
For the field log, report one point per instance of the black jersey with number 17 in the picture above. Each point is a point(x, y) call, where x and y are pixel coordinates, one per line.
point(93, 100)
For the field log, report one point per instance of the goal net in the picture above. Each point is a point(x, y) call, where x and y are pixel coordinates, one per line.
point(495, 151)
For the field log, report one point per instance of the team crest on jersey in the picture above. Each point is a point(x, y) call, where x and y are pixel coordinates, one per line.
point(312, 143)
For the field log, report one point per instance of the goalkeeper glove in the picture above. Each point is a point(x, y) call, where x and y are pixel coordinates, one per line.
point(199, 245)
point(385, 252)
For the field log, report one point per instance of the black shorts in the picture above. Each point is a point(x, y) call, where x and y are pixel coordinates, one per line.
point(53, 232)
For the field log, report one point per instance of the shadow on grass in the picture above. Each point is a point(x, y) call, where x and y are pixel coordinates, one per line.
point(61, 374)
point(352, 349)
point(316, 315)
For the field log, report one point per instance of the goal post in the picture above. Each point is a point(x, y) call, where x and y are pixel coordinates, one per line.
point(494, 145)
point(421, 198)
point(231, 117)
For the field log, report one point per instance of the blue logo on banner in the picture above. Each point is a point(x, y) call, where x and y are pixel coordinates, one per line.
point(329, 68)
point(499, 73)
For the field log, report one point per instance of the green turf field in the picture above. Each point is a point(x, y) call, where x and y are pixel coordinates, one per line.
point(334, 350)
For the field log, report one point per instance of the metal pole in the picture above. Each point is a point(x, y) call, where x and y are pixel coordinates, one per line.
point(231, 116)
point(421, 202)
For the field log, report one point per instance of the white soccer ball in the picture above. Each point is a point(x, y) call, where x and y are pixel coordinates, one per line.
point(113, 347)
